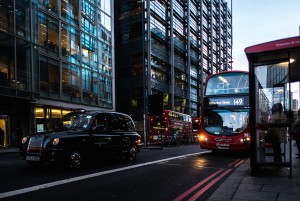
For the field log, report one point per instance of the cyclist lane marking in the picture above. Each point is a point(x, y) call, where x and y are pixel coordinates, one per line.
point(189, 191)
point(222, 173)
point(209, 185)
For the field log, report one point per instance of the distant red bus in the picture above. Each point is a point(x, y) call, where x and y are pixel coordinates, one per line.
point(171, 128)
point(196, 123)
point(225, 111)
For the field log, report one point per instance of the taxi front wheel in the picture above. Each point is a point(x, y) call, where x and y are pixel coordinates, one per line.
point(132, 153)
point(75, 159)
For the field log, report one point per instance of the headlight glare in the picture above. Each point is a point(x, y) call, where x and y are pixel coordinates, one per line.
point(55, 141)
point(138, 141)
point(202, 138)
point(24, 140)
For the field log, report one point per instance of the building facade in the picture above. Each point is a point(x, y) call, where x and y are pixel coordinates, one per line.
point(55, 56)
point(169, 47)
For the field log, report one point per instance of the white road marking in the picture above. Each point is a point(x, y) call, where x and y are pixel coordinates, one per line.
point(65, 181)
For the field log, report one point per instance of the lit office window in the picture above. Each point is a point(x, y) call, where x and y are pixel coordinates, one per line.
point(7, 16)
point(89, 51)
point(88, 14)
point(105, 60)
point(181, 80)
point(89, 86)
point(69, 11)
point(70, 82)
point(105, 91)
point(49, 5)
point(70, 48)
point(48, 32)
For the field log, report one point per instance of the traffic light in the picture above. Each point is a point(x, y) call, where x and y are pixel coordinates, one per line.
point(155, 104)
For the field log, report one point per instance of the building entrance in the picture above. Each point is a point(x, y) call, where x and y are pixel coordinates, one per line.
point(4, 136)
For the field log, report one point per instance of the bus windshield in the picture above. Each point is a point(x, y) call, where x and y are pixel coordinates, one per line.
point(224, 121)
point(230, 83)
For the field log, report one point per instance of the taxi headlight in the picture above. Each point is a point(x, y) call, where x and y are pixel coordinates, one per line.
point(138, 141)
point(55, 141)
point(24, 140)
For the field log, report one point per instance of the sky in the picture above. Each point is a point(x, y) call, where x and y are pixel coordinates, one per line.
point(259, 21)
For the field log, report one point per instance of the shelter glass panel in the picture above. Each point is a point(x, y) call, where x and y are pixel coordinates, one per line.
point(272, 91)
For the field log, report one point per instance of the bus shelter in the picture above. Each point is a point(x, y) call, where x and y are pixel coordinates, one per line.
point(274, 67)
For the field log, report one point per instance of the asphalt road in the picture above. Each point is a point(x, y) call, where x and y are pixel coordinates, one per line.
point(171, 173)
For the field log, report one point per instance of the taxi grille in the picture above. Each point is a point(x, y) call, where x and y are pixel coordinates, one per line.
point(35, 144)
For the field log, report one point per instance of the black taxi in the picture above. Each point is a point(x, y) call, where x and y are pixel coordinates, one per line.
point(83, 135)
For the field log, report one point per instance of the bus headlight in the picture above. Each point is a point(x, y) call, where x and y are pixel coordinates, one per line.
point(246, 139)
point(202, 138)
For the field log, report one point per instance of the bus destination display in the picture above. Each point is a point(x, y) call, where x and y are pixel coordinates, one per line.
point(238, 101)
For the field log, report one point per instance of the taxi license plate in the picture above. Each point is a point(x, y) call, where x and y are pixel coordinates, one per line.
point(33, 158)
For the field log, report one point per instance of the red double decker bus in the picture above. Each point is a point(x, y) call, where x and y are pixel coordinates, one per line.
point(225, 112)
point(171, 128)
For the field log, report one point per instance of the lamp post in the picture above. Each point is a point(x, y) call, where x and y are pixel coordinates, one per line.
point(223, 66)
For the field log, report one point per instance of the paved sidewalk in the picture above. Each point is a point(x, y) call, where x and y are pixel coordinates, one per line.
point(273, 184)
point(7, 150)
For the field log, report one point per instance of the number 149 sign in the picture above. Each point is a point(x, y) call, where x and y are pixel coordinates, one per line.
point(238, 101)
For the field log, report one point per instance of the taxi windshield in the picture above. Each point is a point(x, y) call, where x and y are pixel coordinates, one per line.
point(81, 121)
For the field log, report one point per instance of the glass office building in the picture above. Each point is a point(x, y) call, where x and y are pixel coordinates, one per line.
point(55, 56)
point(169, 47)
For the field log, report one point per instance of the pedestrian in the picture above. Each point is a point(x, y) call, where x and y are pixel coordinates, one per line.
point(296, 132)
point(276, 135)
point(2, 137)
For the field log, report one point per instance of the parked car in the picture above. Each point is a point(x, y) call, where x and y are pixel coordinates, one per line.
point(81, 136)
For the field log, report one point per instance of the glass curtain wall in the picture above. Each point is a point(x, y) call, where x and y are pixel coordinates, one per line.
point(54, 54)
point(75, 51)
point(181, 42)
point(67, 56)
